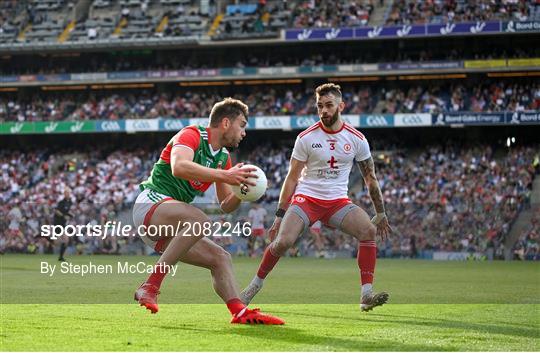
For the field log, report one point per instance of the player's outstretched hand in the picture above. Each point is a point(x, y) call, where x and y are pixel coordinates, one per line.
point(383, 227)
point(275, 228)
point(238, 175)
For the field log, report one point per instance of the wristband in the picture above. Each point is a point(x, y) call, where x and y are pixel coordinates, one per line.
point(280, 212)
point(378, 218)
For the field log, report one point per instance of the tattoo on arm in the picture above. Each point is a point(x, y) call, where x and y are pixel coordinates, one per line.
point(367, 168)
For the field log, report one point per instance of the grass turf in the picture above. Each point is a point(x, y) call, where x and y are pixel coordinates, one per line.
point(461, 306)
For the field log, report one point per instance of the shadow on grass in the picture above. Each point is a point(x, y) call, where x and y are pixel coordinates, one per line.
point(499, 328)
point(299, 339)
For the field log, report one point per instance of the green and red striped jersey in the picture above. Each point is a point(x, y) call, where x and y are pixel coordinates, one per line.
point(162, 179)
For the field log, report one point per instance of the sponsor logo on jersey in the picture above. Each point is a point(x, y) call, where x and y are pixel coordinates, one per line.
point(328, 173)
point(197, 185)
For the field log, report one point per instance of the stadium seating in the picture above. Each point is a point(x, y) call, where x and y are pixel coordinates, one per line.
point(487, 97)
point(187, 60)
point(448, 198)
point(34, 21)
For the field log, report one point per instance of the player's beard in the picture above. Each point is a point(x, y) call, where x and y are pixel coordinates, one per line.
point(332, 120)
point(230, 143)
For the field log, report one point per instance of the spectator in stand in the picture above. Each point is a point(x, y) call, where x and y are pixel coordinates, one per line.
point(419, 12)
point(445, 198)
point(485, 97)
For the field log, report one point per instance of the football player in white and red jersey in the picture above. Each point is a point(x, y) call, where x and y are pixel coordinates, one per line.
point(257, 219)
point(316, 188)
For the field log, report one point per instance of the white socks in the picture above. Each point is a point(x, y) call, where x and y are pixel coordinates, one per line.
point(257, 281)
point(367, 289)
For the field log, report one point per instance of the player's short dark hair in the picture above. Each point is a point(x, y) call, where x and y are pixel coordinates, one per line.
point(230, 108)
point(328, 88)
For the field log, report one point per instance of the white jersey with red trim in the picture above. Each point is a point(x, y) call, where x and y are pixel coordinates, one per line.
point(256, 216)
point(329, 157)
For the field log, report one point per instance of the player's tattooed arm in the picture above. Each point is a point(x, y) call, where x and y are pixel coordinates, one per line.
point(367, 168)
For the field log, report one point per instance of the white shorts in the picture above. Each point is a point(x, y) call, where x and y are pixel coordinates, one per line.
point(143, 209)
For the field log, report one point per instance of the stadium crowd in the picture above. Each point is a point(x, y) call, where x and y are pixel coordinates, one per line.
point(101, 185)
point(438, 199)
point(486, 97)
point(190, 60)
point(329, 14)
point(418, 11)
point(528, 245)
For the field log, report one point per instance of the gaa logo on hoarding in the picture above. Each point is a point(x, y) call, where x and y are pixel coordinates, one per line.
point(305, 121)
point(141, 125)
point(412, 120)
point(173, 125)
point(272, 122)
point(110, 126)
point(376, 120)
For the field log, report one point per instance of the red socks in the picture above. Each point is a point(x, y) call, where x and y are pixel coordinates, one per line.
point(158, 274)
point(235, 306)
point(367, 256)
point(268, 262)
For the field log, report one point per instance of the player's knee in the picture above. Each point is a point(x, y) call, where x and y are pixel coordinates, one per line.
point(282, 245)
point(222, 259)
point(369, 233)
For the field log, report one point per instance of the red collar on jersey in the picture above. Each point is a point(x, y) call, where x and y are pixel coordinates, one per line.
point(321, 125)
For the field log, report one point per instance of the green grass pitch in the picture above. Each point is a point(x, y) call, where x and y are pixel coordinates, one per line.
point(436, 306)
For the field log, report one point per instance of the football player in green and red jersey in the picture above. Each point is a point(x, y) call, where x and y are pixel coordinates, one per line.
point(195, 158)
